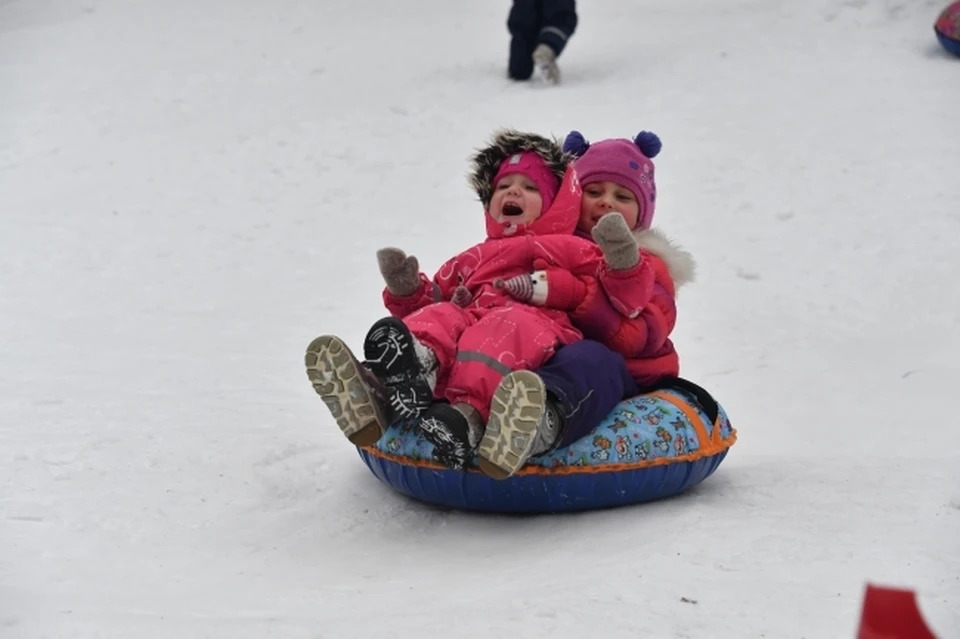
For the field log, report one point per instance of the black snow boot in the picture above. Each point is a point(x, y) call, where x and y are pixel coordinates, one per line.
point(407, 368)
point(454, 431)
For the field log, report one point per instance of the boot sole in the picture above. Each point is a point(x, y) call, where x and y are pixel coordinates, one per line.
point(335, 375)
point(515, 411)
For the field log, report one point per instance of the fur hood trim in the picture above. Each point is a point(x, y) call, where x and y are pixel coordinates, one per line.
point(679, 262)
point(486, 161)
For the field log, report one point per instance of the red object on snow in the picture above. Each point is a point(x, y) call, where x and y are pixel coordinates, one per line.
point(891, 613)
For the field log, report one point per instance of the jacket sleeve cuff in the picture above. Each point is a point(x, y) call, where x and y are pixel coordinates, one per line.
point(629, 290)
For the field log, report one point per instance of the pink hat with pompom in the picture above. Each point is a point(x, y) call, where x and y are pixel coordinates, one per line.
point(625, 162)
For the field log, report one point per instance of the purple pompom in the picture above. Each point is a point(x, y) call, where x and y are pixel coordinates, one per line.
point(575, 144)
point(648, 143)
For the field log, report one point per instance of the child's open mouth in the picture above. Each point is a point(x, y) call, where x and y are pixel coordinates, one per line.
point(512, 210)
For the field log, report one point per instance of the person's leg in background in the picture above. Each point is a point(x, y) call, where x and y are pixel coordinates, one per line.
point(524, 26)
point(558, 21)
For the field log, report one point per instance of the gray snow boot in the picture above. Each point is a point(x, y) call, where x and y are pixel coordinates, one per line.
point(355, 397)
point(523, 422)
point(545, 67)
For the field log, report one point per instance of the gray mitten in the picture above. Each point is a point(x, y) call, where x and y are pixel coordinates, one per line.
point(400, 271)
point(617, 242)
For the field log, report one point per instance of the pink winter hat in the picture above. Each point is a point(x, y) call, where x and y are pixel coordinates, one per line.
point(624, 162)
point(531, 165)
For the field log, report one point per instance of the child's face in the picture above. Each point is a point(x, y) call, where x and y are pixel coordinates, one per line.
point(516, 200)
point(600, 198)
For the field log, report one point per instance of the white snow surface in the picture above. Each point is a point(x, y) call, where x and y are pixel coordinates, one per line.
point(191, 191)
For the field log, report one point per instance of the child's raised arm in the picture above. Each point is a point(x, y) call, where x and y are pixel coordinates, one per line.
point(626, 280)
point(400, 271)
point(407, 288)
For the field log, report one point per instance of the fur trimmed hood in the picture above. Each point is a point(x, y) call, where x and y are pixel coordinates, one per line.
point(679, 262)
point(506, 142)
point(561, 216)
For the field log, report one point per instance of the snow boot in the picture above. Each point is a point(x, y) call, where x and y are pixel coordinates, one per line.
point(523, 422)
point(355, 397)
point(407, 368)
point(454, 432)
point(545, 65)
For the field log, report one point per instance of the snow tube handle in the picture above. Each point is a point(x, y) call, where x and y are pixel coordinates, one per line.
point(707, 403)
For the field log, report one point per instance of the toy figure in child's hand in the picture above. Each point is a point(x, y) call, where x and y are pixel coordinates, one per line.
point(547, 286)
point(559, 288)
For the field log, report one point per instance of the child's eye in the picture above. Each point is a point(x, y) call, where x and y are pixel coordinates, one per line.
point(531, 187)
point(623, 198)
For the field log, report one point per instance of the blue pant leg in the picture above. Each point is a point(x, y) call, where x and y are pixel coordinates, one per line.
point(558, 22)
point(524, 24)
point(588, 380)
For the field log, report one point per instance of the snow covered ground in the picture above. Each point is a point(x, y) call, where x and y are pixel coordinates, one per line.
point(190, 192)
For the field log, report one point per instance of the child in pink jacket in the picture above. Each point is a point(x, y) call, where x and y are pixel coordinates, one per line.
point(616, 210)
point(617, 206)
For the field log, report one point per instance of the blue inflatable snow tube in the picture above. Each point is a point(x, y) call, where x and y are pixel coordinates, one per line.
point(951, 45)
point(652, 446)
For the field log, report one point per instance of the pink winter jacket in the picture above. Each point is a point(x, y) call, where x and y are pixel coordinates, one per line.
point(643, 338)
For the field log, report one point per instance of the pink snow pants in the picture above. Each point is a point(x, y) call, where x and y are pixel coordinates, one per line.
point(477, 347)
